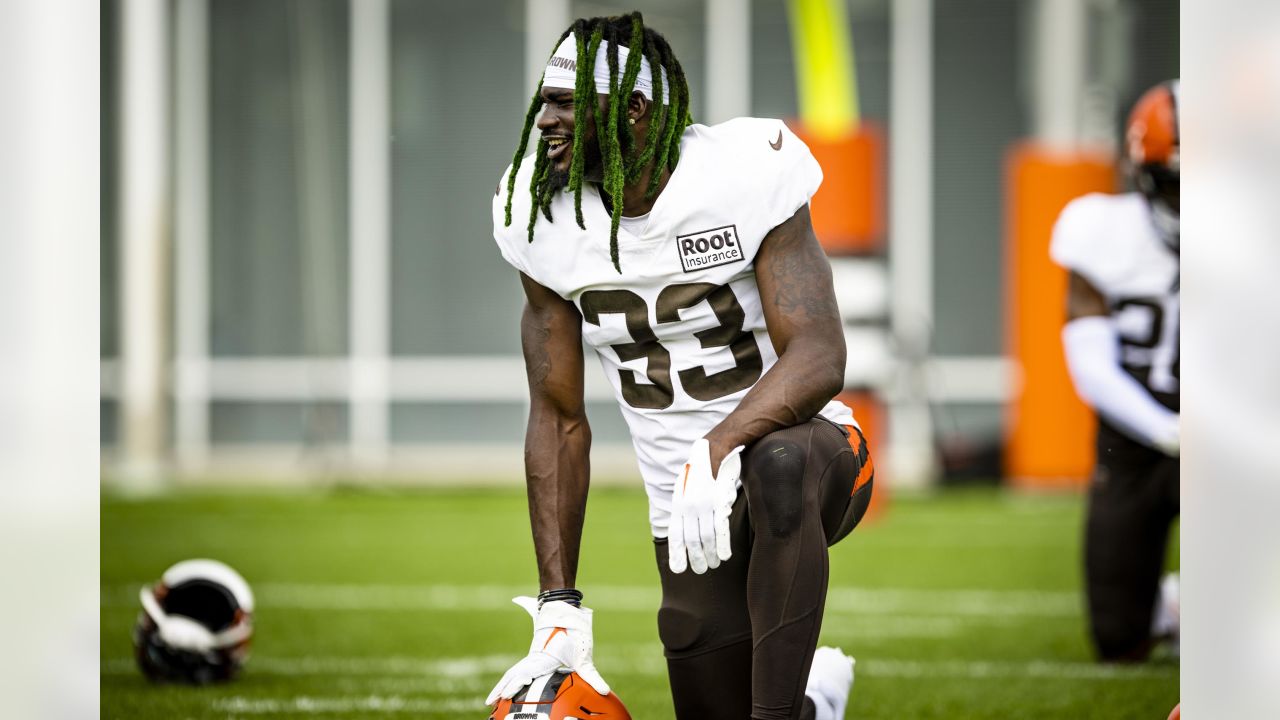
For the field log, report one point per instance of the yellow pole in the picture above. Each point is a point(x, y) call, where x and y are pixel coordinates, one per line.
point(825, 73)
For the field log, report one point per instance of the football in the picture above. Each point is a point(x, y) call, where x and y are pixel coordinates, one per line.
point(560, 696)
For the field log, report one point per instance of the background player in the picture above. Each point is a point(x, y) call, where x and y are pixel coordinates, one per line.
point(684, 255)
point(1121, 342)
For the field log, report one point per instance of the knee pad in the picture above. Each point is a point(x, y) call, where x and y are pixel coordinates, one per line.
point(774, 481)
point(679, 629)
point(690, 625)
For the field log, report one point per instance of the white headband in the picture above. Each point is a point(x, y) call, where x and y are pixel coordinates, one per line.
point(562, 70)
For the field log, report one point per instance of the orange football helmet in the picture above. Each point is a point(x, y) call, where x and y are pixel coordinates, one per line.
point(1152, 143)
point(1152, 133)
point(560, 696)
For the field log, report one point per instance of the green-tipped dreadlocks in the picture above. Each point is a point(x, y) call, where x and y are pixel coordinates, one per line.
point(623, 161)
point(584, 95)
point(530, 115)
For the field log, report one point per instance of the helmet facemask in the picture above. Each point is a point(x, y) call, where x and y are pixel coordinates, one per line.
point(1160, 185)
point(1153, 146)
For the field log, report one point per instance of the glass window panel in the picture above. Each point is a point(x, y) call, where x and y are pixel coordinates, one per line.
point(607, 423)
point(454, 422)
point(458, 104)
point(108, 423)
point(109, 178)
point(978, 114)
point(773, 74)
point(869, 21)
point(1155, 42)
point(300, 423)
point(279, 176)
point(682, 23)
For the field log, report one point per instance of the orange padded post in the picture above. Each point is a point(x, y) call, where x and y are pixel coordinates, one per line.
point(1051, 432)
point(848, 210)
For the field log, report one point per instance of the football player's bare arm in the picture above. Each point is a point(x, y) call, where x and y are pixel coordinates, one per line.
point(558, 439)
point(1083, 299)
point(800, 312)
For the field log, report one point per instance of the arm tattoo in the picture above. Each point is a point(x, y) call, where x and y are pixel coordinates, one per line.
point(793, 264)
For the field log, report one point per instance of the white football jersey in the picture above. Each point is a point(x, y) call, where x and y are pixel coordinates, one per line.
point(1111, 240)
point(680, 331)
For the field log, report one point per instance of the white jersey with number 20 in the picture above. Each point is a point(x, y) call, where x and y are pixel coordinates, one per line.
point(680, 331)
point(1111, 240)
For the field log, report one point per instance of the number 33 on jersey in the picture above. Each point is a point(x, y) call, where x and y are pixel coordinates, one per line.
point(680, 331)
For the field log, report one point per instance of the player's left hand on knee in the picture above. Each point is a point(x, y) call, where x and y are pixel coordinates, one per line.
point(698, 536)
point(561, 640)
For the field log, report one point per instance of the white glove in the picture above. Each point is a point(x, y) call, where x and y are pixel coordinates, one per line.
point(1170, 443)
point(561, 639)
point(700, 508)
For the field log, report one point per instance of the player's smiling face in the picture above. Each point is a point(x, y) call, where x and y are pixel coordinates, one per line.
point(557, 123)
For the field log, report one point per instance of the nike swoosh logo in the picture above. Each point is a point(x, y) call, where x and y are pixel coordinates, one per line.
point(777, 144)
point(555, 632)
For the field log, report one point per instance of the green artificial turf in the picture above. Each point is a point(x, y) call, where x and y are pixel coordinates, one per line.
point(962, 604)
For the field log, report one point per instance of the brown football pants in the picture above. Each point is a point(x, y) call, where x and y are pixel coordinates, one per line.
point(1133, 501)
point(739, 639)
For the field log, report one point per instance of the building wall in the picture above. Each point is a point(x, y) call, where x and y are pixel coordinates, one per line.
point(279, 238)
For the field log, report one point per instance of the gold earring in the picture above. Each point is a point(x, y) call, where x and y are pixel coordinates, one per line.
point(631, 120)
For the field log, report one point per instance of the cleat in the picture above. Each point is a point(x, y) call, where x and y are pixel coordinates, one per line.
point(830, 680)
point(1166, 625)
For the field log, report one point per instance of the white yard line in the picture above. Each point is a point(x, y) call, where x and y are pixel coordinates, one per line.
point(856, 628)
point(955, 602)
point(451, 675)
point(641, 658)
point(463, 667)
point(1001, 670)
point(478, 685)
point(636, 598)
point(367, 704)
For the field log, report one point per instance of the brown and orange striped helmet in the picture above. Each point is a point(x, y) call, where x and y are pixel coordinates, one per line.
point(1152, 142)
point(560, 696)
point(1152, 133)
